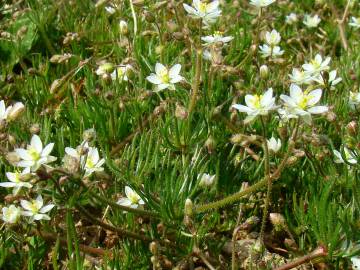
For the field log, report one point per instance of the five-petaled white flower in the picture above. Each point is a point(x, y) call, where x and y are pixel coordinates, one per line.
point(132, 199)
point(261, 3)
point(272, 38)
point(348, 154)
point(355, 22)
point(331, 81)
point(354, 99)
point(274, 145)
point(206, 180)
point(165, 78)
point(35, 155)
point(35, 209)
point(316, 65)
point(11, 214)
point(268, 51)
point(208, 12)
point(257, 105)
point(311, 21)
point(92, 162)
point(291, 18)
point(217, 37)
point(17, 180)
point(300, 77)
point(303, 103)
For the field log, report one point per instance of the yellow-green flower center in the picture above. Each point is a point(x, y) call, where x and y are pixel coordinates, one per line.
point(255, 102)
point(304, 101)
point(202, 7)
point(89, 163)
point(35, 155)
point(133, 198)
point(33, 207)
point(164, 75)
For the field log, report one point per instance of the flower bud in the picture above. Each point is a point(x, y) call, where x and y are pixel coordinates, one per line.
point(264, 72)
point(153, 248)
point(16, 110)
point(159, 49)
point(189, 207)
point(89, 134)
point(11, 140)
point(181, 112)
point(34, 129)
point(12, 158)
point(278, 221)
point(124, 29)
point(351, 128)
point(210, 144)
point(291, 161)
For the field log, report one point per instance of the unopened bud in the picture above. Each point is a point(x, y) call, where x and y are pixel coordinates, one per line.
point(159, 49)
point(264, 72)
point(351, 128)
point(210, 144)
point(291, 161)
point(153, 248)
point(278, 221)
point(89, 135)
point(12, 158)
point(181, 112)
point(124, 29)
point(189, 207)
point(34, 129)
point(11, 140)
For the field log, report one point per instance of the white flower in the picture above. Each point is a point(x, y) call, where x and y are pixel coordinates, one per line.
point(165, 78)
point(11, 214)
point(110, 9)
point(78, 152)
point(354, 99)
point(274, 145)
point(300, 77)
point(35, 209)
point(35, 155)
point(332, 80)
point(132, 199)
point(349, 156)
point(208, 12)
point(217, 37)
point(272, 38)
point(92, 162)
point(302, 103)
point(206, 180)
point(121, 73)
point(355, 22)
point(317, 65)
point(261, 3)
point(267, 51)
point(311, 22)
point(355, 262)
point(17, 180)
point(291, 18)
point(257, 105)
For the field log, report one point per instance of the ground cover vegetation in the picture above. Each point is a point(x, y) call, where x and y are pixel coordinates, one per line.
point(145, 134)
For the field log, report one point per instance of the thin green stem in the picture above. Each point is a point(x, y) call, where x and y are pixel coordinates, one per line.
point(268, 178)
